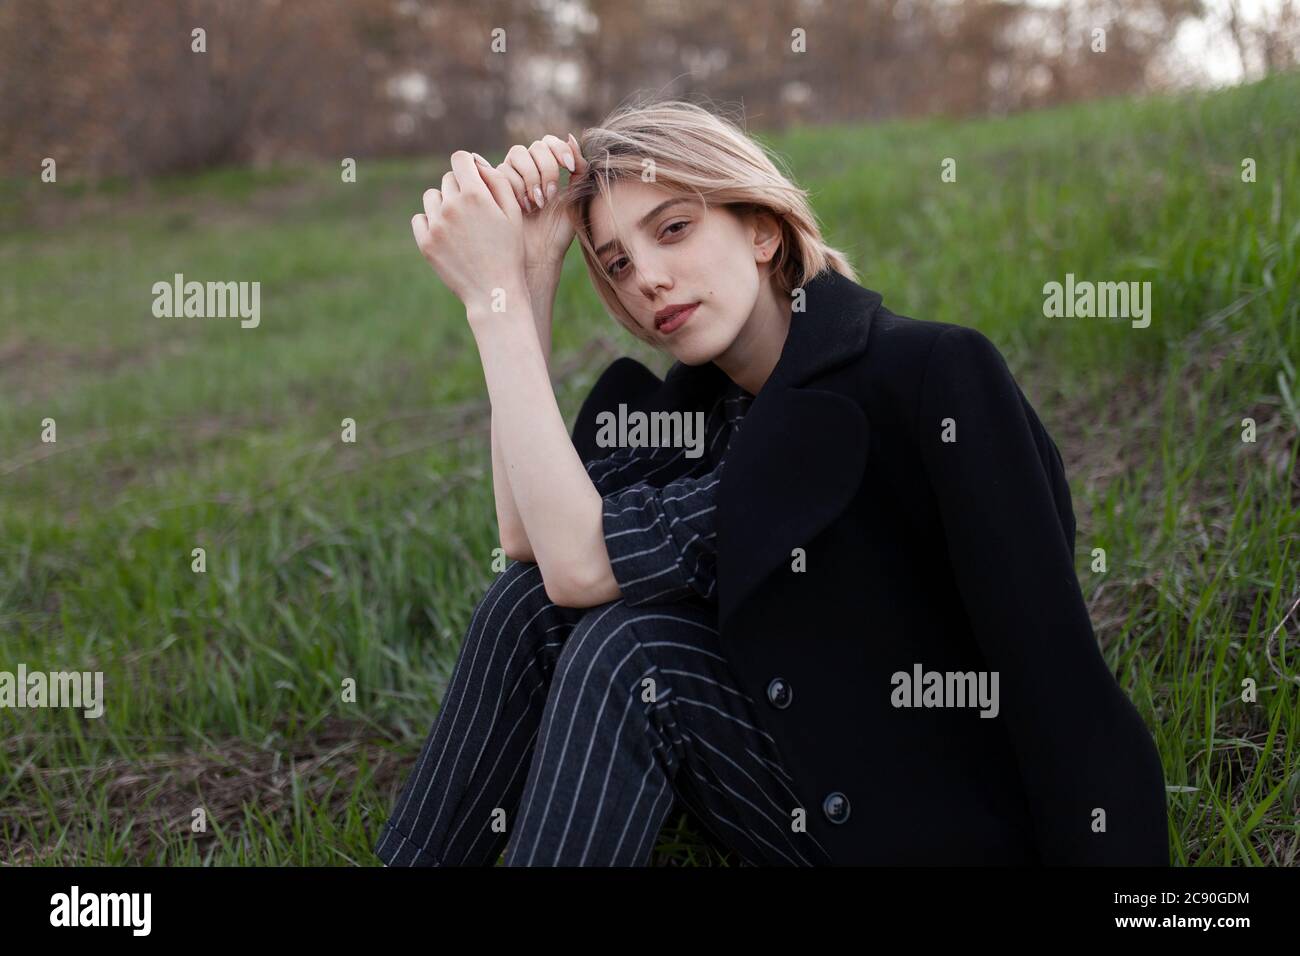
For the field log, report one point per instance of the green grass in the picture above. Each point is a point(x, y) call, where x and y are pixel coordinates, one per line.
point(328, 560)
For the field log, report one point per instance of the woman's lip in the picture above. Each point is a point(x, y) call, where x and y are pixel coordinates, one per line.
point(677, 320)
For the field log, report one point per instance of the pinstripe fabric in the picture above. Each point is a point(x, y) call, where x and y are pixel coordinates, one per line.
point(567, 734)
point(660, 508)
point(658, 466)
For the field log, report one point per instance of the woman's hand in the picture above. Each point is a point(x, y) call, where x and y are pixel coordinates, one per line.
point(472, 232)
point(533, 173)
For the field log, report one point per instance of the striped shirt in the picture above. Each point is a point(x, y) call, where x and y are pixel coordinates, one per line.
point(660, 507)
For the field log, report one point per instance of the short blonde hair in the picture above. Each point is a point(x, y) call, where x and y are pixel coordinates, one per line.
point(695, 152)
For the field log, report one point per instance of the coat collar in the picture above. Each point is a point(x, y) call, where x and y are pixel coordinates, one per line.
point(831, 330)
point(798, 461)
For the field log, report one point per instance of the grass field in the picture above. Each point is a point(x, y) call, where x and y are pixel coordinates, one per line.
point(328, 560)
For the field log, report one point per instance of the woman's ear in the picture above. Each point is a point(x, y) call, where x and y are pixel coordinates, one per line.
point(767, 235)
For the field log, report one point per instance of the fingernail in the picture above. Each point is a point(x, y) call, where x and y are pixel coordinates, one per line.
point(568, 161)
point(481, 161)
point(551, 189)
point(528, 207)
point(537, 194)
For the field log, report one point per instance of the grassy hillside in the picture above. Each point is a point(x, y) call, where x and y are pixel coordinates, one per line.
point(328, 560)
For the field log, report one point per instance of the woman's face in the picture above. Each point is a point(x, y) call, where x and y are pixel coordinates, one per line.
point(678, 253)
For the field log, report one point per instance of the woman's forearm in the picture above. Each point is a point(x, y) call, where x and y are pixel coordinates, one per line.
point(558, 506)
point(510, 527)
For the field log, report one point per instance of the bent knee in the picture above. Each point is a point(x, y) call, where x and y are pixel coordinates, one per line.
point(610, 634)
point(518, 586)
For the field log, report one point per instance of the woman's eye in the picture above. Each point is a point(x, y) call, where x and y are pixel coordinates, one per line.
point(614, 271)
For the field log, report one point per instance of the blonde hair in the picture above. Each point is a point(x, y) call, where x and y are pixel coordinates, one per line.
point(695, 152)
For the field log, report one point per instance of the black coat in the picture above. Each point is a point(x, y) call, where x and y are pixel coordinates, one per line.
point(947, 555)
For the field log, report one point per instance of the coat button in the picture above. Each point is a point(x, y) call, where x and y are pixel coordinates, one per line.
point(836, 807)
point(779, 693)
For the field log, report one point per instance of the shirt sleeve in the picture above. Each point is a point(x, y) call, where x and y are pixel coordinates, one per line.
point(1080, 744)
point(628, 466)
point(662, 542)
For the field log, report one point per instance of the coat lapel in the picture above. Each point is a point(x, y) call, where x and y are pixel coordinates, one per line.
point(798, 459)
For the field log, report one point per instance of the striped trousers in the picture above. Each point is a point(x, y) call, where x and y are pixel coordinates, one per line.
point(567, 736)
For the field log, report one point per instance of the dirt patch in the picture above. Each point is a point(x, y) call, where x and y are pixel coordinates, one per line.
point(156, 796)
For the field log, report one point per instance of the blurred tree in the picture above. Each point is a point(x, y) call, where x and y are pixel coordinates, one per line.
point(114, 86)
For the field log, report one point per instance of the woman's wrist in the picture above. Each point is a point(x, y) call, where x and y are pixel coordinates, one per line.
point(541, 296)
point(542, 301)
point(542, 286)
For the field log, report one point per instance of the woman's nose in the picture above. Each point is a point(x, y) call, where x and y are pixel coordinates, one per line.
point(651, 280)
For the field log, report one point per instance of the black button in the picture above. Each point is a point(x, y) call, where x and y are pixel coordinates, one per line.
point(836, 807)
point(779, 693)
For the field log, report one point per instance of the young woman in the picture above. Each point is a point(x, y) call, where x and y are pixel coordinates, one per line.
point(846, 628)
